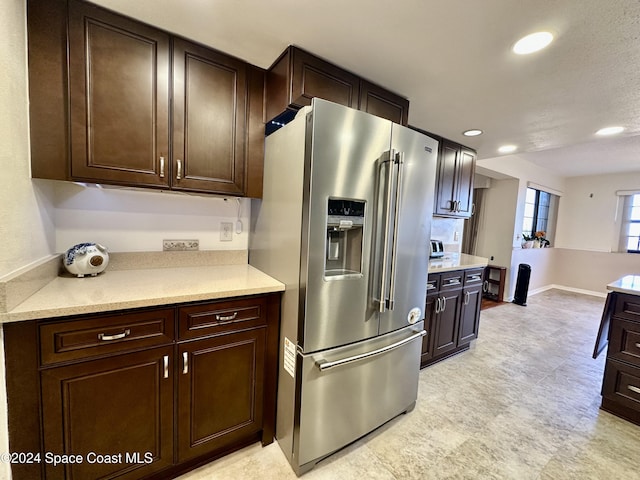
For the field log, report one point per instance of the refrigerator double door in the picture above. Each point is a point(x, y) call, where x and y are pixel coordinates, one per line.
point(355, 156)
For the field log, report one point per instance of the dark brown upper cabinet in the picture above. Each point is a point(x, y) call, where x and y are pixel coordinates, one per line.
point(209, 121)
point(454, 183)
point(382, 103)
point(298, 76)
point(117, 123)
point(119, 98)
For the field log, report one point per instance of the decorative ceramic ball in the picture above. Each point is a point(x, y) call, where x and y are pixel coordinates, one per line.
point(86, 259)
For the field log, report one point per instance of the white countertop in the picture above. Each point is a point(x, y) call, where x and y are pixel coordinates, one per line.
point(456, 261)
point(122, 289)
point(628, 284)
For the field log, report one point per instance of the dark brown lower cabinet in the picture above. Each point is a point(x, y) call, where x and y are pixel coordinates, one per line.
point(208, 417)
point(116, 414)
point(470, 314)
point(621, 382)
point(452, 313)
point(128, 395)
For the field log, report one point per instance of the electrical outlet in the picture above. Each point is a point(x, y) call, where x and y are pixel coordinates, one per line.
point(456, 236)
point(226, 231)
point(180, 245)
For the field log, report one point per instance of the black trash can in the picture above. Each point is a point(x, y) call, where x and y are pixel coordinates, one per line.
point(522, 284)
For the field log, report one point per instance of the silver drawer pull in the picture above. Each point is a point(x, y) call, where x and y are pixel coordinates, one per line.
point(474, 277)
point(430, 286)
point(453, 282)
point(637, 345)
point(226, 318)
point(185, 362)
point(117, 336)
point(165, 361)
point(324, 365)
point(633, 389)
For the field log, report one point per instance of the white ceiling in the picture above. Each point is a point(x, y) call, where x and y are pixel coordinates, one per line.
point(453, 60)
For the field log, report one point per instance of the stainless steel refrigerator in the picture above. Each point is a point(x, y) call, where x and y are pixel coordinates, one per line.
point(345, 223)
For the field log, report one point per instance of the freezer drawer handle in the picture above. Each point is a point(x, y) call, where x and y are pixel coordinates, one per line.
point(324, 365)
point(633, 389)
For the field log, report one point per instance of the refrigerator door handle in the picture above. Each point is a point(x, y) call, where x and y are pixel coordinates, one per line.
point(324, 365)
point(399, 160)
point(387, 222)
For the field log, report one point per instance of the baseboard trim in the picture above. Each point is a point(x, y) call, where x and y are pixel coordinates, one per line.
point(567, 289)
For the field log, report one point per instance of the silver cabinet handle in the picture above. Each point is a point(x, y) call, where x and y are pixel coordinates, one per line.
point(324, 365)
point(117, 336)
point(638, 345)
point(466, 298)
point(485, 286)
point(161, 167)
point(437, 305)
point(226, 318)
point(473, 209)
point(185, 362)
point(179, 173)
point(633, 389)
point(165, 360)
point(444, 304)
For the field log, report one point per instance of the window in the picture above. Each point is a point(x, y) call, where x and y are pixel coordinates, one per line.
point(537, 209)
point(631, 226)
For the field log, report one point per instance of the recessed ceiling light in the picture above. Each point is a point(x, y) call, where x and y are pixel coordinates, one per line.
point(507, 148)
point(532, 43)
point(610, 130)
point(472, 133)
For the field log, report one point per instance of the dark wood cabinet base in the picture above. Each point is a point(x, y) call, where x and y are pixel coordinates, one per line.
point(449, 354)
point(621, 411)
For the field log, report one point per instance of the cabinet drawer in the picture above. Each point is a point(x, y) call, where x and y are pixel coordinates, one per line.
point(451, 280)
point(100, 335)
point(473, 277)
point(628, 307)
point(433, 283)
point(622, 384)
point(624, 341)
point(216, 317)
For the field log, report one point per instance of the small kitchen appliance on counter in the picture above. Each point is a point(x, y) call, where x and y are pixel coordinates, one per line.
point(86, 259)
point(436, 249)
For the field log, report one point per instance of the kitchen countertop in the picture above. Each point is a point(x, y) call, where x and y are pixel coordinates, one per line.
point(456, 261)
point(628, 284)
point(123, 289)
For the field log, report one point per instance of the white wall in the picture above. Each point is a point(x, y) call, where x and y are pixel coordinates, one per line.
point(588, 209)
point(497, 223)
point(126, 220)
point(26, 223)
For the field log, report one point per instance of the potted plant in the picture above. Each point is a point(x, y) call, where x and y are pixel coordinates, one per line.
point(540, 241)
point(527, 241)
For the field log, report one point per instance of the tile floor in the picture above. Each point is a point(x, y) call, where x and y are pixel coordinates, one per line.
point(522, 403)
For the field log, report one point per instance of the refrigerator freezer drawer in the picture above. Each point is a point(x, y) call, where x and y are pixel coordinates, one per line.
point(364, 386)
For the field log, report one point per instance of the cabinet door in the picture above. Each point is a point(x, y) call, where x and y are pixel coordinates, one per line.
point(209, 120)
point(446, 187)
point(469, 314)
point(429, 325)
point(383, 103)
point(464, 187)
point(220, 391)
point(446, 324)
point(122, 406)
point(314, 77)
point(118, 84)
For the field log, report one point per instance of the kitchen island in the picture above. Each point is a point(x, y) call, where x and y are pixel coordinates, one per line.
point(163, 368)
point(620, 329)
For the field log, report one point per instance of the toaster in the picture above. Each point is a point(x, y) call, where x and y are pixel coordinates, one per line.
point(437, 249)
